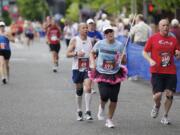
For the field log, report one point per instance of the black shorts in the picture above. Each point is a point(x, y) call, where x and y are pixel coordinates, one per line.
point(109, 91)
point(161, 82)
point(54, 48)
point(29, 35)
point(6, 54)
point(79, 77)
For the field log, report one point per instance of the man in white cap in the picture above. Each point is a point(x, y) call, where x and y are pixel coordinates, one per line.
point(92, 32)
point(175, 29)
point(94, 36)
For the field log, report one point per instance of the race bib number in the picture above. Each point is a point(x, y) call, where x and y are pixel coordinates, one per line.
point(165, 59)
point(108, 64)
point(54, 38)
point(2, 46)
point(83, 63)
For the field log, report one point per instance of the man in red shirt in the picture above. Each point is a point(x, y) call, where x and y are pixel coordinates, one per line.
point(53, 37)
point(162, 48)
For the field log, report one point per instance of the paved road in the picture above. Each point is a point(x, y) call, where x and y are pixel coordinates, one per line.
point(39, 102)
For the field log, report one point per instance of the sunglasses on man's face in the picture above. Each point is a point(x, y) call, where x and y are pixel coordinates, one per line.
point(108, 31)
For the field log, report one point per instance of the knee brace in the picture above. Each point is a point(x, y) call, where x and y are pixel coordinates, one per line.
point(79, 92)
point(169, 97)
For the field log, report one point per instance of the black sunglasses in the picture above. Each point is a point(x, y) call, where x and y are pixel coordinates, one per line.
point(108, 31)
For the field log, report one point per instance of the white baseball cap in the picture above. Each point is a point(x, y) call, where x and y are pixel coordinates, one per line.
point(103, 16)
point(90, 21)
point(2, 23)
point(174, 22)
point(107, 27)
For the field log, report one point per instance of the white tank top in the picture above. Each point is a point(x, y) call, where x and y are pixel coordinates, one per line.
point(82, 45)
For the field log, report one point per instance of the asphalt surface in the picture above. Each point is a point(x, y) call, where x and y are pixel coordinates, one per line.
point(37, 101)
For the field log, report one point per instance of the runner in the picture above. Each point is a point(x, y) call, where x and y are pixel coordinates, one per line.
point(5, 53)
point(108, 72)
point(94, 36)
point(162, 48)
point(53, 37)
point(79, 48)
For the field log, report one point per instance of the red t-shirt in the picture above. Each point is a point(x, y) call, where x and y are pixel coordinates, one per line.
point(162, 51)
point(53, 35)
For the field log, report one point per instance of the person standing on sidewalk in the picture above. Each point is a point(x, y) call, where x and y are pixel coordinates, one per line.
point(79, 49)
point(5, 52)
point(159, 51)
point(108, 72)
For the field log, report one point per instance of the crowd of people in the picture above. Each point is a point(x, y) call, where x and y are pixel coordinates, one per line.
point(98, 57)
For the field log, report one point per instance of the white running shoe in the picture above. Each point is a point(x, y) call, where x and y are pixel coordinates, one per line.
point(88, 115)
point(109, 123)
point(55, 69)
point(79, 116)
point(154, 112)
point(165, 121)
point(93, 91)
point(100, 114)
point(4, 81)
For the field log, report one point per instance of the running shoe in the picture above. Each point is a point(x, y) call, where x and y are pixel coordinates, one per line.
point(93, 91)
point(55, 69)
point(4, 81)
point(100, 114)
point(88, 115)
point(165, 121)
point(154, 112)
point(109, 123)
point(79, 116)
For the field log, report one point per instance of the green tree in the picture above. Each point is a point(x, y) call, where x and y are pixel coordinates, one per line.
point(167, 5)
point(72, 13)
point(33, 9)
point(6, 17)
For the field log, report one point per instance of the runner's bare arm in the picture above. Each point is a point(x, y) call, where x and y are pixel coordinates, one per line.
point(10, 37)
point(70, 51)
point(92, 59)
point(148, 58)
point(123, 59)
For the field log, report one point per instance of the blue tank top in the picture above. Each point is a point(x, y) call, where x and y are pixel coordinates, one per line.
point(4, 43)
point(108, 59)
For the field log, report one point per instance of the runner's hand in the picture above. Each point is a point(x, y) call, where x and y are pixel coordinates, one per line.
point(80, 53)
point(177, 54)
point(152, 62)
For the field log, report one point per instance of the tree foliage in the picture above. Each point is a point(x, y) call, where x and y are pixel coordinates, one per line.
point(6, 17)
point(72, 13)
point(33, 9)
point(167, 5)
point(115, 6)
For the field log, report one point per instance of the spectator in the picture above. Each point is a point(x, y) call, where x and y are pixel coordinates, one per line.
point(175, 29)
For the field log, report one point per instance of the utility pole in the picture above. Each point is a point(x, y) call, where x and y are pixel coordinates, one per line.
point(133, 6)
point(145, 9)
point(1, 6)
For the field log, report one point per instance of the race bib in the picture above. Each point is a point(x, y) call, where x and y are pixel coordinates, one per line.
point(108, 64)
point(2, 46)
point(165, 59)
point(54, 38)
point(83, 63)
